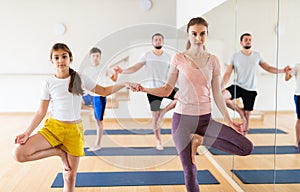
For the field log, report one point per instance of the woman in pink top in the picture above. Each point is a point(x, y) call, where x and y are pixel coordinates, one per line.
point(197, 72)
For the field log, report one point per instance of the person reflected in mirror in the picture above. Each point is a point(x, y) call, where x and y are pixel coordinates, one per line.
point(295, 71)
point(244, 64)
point(157, 63)
point(100, 74)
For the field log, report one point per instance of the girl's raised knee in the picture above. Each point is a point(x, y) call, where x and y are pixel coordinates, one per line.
point(18, 155)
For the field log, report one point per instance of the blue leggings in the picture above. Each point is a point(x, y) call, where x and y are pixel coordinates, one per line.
point(214, 135)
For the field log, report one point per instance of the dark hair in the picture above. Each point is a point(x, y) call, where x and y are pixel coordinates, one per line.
point(195, 21)
point(95, 50)
point(75, 82)
point(157, 34)
point(245, 34)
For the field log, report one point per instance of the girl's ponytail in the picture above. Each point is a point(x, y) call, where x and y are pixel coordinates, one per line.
point(75, 83)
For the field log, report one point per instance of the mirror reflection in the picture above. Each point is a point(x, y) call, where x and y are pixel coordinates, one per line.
point(271, 110)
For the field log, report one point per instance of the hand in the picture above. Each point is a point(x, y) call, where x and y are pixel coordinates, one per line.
point(226, 94)
point(118, 69)
point(135, 87)
point(239, 127)
point(287, 69)
point(21, 139)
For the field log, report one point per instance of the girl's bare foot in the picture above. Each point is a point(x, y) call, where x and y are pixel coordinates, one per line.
point(196, 141)
point(64, 159)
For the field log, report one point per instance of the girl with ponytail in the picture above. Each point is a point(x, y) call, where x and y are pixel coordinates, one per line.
point(62, 133)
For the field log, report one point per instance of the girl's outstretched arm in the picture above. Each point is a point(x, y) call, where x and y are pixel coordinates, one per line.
point(105, 91)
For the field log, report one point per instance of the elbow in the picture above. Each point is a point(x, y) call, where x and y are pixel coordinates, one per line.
point(41, 114)
point(167, 91)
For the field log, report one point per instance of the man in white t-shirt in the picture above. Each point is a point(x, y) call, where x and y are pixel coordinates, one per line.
point(245, 64)
point(157, 63)
point(98, 74)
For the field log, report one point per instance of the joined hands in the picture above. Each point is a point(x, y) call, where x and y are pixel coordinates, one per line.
point(135, 87)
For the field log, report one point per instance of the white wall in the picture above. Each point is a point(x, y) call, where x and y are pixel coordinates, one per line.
point(187, 9)
point(27, 35)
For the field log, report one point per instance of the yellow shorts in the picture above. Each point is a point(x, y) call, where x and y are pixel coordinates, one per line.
point(68, 137)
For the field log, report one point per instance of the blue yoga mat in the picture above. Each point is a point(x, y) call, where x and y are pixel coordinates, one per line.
point(131, 151)
point(263, 150)
point(268, 176)
point(140, 178)
point(266, 131)
point(168, 131)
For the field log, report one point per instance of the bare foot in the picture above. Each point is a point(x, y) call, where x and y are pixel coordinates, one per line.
point(159, 147)
point(196, 141)
point(244, 128)
point(64, 159)
point(94, 148)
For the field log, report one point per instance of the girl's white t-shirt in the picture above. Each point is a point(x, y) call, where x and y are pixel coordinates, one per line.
point(64, 106)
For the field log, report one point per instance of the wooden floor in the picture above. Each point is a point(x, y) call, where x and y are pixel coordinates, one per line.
point(39, 175)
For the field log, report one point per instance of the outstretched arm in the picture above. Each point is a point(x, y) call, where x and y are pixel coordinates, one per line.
point(105, 91)
point(226, 76)
point(167, 88)
point(220, 102)
point(129, 70)
point(114, 77)
point(38, 117)
point(272, 69)
point(218, 97)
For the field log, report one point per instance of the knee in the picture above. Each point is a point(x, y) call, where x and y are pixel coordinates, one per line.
point(18, 154)
point(69, 176)
point(248, 149)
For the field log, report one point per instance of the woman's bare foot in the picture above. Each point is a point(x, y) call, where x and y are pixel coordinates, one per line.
point(159, 146)
point(64, 159)
point(196, 141)
point(94, 148)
